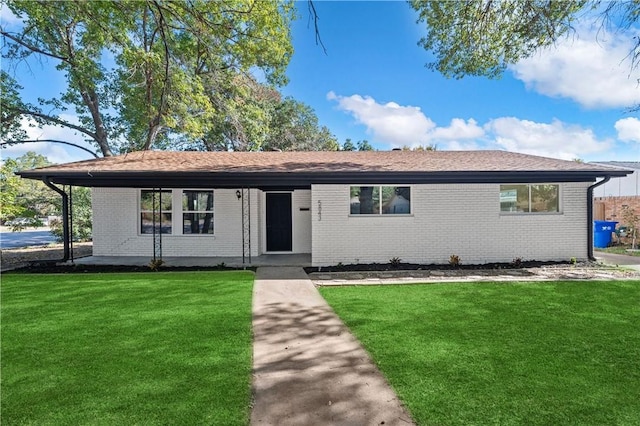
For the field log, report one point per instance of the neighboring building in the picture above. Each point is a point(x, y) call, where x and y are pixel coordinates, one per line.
point(341, 207)
point(611, 197)
point(628, 186)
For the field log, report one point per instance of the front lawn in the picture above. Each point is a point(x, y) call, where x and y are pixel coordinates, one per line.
point(504, 353)
point(117, 349)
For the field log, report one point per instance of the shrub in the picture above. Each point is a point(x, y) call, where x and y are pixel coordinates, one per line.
point(395, 261)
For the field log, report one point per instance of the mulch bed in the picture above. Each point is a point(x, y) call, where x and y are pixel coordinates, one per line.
point(388, 267)
point(55, 268)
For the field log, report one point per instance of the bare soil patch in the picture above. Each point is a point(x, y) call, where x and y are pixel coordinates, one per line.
point(22, 257)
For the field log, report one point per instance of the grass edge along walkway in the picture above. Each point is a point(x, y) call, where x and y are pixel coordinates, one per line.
point(143, 348)
point(503, 353)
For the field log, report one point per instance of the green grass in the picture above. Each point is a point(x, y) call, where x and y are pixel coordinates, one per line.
point(510, 354)
point(116, 349)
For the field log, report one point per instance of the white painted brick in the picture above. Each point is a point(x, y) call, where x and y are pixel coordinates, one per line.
point(116, 233)
point(447, 219)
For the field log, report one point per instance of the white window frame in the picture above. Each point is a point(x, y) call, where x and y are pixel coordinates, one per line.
point(182, 211)
point(176, 212)
point(141, 211)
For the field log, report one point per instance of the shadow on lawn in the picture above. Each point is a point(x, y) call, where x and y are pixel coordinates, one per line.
point(309, 369)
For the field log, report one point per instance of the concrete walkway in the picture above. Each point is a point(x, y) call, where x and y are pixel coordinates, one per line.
point(307, 368)
point(632, 262)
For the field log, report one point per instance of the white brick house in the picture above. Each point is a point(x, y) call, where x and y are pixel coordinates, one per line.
point(340, 207)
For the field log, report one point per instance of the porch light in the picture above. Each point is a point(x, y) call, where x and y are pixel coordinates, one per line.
point(238, 194)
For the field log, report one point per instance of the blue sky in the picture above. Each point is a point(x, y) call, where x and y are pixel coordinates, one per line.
point(566, 102)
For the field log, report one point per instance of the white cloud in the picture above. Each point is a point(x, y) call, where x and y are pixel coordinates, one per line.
point(592, 68)
point(390, 122)
point(459, 129)
point(399, 125)
point(556, 139)
point(55, 152)
point(395, 125)
point(628, 129)
point(460, 146)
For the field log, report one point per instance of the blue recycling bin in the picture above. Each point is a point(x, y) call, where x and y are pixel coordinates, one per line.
point(602, 230)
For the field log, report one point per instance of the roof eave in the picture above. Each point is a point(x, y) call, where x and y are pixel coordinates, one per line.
point(306, 179)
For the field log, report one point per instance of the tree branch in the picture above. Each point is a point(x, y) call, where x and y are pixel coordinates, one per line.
point(155, 124)
point(314, 14)
point(8, 143)
point(55, 120)
point(33, 48)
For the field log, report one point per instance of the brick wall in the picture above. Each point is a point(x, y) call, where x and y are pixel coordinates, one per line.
point(610, 208)
point(116, 226)
point(447, 219)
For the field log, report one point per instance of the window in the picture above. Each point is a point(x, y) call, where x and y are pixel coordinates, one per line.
point(159, 202)
point(386, 200)
point(529, 198)
point(197, 212)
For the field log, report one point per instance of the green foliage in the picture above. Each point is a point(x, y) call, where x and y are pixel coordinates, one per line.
point(348, 146)
point(631, 219)
point(362, 145)
point(294, 127)
point(253, 117)
point(25, 198)
point(170, 60)
point(155, 264)
point(124, 349)
point(430, 147)
point(10, 125)
point(81, 225)
point(481, 38)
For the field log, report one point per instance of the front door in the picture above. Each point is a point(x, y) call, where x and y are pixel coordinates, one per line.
point(278, 221)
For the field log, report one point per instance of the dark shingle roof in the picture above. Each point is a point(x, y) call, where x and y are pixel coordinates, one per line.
point(233, 169)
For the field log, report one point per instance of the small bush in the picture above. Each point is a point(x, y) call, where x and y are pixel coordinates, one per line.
point(155, 264)
point(517, 262)
point(454, 260)
point(395, 261)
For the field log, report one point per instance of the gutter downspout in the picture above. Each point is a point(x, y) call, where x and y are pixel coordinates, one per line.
point(65, 217)
point(590, 216)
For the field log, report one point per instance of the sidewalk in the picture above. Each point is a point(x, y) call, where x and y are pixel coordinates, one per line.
point(307, 368)
point(632, 262)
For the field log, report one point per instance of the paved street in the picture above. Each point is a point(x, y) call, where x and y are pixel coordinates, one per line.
point(26, 238)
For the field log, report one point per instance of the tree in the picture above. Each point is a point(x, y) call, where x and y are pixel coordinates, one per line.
point(364, 145)
point(348, 145)
point(253, 117)
point(429, 147)
point(10, 103)
point(294, 127)
point(482, 37)
point(81, 214)
point(169, 57)
point(25, 198)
